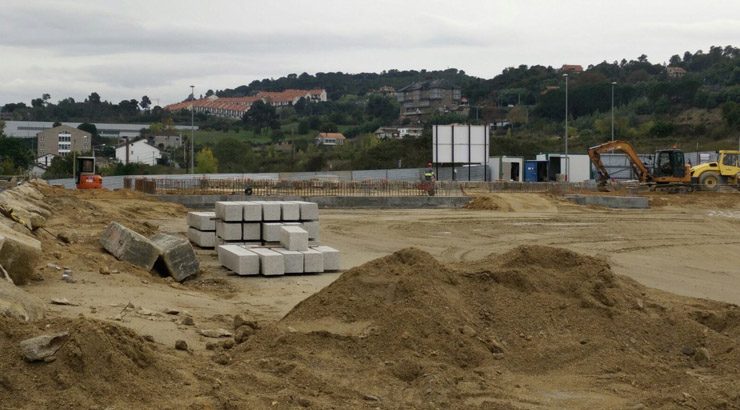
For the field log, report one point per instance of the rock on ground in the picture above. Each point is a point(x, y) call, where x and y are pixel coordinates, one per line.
point(16, 303)
point(129, 246)
point(177, 254)
point(43, 347)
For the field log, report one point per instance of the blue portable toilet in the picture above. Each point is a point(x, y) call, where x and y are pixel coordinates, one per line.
point(530, 171)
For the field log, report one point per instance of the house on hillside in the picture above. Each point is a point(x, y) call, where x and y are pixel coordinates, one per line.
point(398, 132)
point(330, 139)
point(426, 98)
point(571, 68)
point(165, 141)
point(675, 72)
point(62, 141)
point(138, 151)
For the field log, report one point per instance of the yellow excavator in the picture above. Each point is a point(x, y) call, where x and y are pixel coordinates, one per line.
point(669, 168)
point(724, 172)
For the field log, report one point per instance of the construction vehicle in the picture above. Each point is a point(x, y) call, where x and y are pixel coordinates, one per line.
point(725, 171)
point(85, 176)
point(669, 169)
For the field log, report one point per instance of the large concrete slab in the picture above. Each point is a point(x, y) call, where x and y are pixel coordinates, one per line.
point(309, 211)
point(202, 221)
point(313, 229)
point(252, 211)
point(271, 211)
point(331, 257)
point(294, 238)
point(252, 231)
point(230, 211)
point(204, 239)
point(271, 231)
point(313, 261)
point(239, 260)
point(230, 231)
point(129, 246)
point(177, 255)
point(293, 260)
point(626, 202)
point(290, 211)
point(271, 262)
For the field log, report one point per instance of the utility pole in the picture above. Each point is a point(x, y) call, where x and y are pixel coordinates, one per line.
point(566, 127)
point(192, 128)
point(613, 84)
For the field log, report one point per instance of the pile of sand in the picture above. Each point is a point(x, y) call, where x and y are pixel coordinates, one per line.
point(408, 329)
point(101, 365)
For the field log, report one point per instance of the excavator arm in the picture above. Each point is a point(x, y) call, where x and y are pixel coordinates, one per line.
point(594, 153)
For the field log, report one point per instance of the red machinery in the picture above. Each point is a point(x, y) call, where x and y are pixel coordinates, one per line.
point(85, 174)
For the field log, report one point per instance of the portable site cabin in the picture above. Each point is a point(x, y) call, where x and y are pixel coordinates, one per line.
point(552, 167)
point(506, 168)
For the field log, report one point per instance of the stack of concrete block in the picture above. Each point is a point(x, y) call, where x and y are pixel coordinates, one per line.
point(202, 229)
point(271, 238)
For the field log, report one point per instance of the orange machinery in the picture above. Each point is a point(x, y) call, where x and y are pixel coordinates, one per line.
point(85, 174)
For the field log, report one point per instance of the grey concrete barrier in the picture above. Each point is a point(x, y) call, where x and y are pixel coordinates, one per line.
point(413, 202)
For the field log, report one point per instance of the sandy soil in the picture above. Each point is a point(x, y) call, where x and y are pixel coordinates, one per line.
point(686, 245)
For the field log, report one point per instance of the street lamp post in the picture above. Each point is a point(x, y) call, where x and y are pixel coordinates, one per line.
point(192, 127)
point(613, 84)
point(567, 165)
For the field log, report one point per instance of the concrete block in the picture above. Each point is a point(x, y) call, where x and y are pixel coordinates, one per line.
point(202, 221)
point(294, 238)
point(313, 261)
point(309, 211)
point(312, 227)
point(239, 260)
point(204, 239)
point(290, 211)
point(252, 211)
point(251, 231)
point(271, 231)
point(230, 231)
point(177, 255)
point(129, 246)
point(220, 241)
point(229, 211)
point(331, 257)
point(271, 263)
point(293, 260)
point(19, 254)
point(271, 211)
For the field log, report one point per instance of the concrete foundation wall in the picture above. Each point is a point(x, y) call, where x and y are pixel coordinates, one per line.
point(414, 202)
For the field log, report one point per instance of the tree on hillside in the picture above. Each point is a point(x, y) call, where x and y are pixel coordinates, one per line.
point(261, 115)
point(382, 108)
point(145, 102)
point(92, 129)
point(205, 162)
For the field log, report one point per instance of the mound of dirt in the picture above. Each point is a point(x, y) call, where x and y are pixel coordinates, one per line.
point(485, 203)
point(100, 365)
point(561, 326)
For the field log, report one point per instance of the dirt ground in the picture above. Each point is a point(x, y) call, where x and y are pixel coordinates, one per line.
point(534, 356)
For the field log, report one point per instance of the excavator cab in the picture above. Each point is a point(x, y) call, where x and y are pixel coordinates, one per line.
point(85, 176)
point(669, 163)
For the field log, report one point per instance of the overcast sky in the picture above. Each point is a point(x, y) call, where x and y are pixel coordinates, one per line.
point(129, 48)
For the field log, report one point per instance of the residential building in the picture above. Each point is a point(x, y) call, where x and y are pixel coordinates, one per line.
point(29, 129)
point(138, 151)
point(425, 98)
point(330, 139)
point(235, 107)
point(165, 141)
point(398, 132)
point(675, 72)
point(386, 91)
point(62, 141)
point(571, 68)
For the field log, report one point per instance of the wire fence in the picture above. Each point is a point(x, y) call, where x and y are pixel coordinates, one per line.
point(368, 188)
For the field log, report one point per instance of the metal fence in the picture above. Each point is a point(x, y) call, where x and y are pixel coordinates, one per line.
point(268, 188)
point(367, 188)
